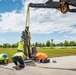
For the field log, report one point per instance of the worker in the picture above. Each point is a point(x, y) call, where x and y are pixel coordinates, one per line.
point(20, 46)
point(18, 60)
point(3, 58)
point(41, 57)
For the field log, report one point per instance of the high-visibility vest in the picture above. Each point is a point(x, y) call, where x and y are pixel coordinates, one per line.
point(41, 56)
point(21, 45)
point(1, 56)
point(21, 54)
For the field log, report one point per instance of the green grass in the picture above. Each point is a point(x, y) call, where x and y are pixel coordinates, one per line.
point(50, 52)
point(58, 52)
point(9, 51)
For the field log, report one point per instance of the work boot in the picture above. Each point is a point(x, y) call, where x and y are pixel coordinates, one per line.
point(6, 61)
point(18, 66)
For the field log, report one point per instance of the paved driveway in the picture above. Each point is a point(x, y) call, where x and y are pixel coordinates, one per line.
point(65, 66)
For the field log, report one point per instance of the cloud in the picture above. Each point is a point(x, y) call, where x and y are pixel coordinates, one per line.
point(56, 41)
point(12, 21)
point(50, 20)
point(43, 21)
point(13, 0)
point(69, 38)
point(65, 37)
point(2, 40)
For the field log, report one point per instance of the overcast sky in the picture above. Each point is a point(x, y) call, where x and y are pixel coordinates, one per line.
point(45, 24)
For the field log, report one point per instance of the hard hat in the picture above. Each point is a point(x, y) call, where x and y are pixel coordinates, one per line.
point(5, 56)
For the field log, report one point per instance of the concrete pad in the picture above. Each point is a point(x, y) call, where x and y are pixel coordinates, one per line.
point(65, 66)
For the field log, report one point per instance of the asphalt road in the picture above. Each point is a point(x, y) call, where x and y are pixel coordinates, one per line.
point(64, 66)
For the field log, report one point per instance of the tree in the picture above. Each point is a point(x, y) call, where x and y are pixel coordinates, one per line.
point(48, 43)
point(66, 43)
point(72, 43)
point(1, 46)
point(5, 45)
point(36, 44)
point(40, 45)
point(14, 45)
point(33, 44)
point(61, 44)
point(57, 44)
point(43, 45)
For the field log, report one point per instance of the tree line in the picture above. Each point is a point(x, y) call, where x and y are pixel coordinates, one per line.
point(51, 44)
point(47, 44)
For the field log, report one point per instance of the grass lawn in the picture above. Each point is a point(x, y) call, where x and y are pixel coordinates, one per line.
point(58, 52)
point(9, 51)
point(50, 52)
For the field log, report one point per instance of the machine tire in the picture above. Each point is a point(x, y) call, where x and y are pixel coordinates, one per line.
point(64, 8)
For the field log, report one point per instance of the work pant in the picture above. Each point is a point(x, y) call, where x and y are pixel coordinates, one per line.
point(16, 59)
point(46, 60)
point(2, 62)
